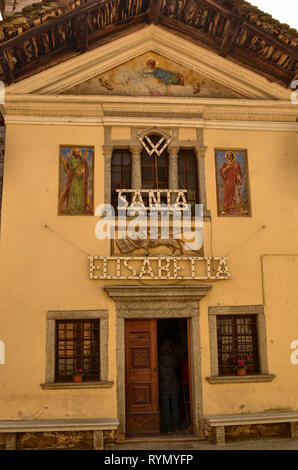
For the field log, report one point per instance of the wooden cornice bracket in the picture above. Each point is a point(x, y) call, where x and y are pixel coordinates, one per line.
point(230, 34)
point(154, 11)
point(7, 69)
point(80, 28)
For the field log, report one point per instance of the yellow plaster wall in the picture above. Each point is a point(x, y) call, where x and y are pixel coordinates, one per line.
point(273, 166)
point(41, 271)
point(120, 133)
point(187, 133)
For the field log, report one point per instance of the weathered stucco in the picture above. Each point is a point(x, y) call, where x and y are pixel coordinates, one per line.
point(44, 263)
point(52, 274)
point(254, 431)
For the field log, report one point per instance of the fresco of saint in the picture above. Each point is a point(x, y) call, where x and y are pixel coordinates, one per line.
point(75, 198)
point(232, 189)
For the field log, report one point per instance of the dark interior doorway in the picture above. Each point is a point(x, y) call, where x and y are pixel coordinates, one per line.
point(173, 332)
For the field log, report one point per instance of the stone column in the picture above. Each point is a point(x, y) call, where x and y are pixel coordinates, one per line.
point(173, 168)
point(201, 153)
point(98, 441)
point(220, 435)
point(108, 153)
point(294, 430)
point(136, 169)
point(10, 441)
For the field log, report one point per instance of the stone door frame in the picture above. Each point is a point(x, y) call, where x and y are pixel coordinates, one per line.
point(159, 302)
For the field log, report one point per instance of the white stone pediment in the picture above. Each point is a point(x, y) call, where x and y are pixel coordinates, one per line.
point(152, 63)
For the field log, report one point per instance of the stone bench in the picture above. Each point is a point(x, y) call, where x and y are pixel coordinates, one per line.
point(219, 422)
point(97, 426)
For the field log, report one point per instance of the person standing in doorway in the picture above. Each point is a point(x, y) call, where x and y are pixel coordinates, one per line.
point(169, 385)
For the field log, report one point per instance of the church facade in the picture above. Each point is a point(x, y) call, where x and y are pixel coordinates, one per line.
point(161, 102)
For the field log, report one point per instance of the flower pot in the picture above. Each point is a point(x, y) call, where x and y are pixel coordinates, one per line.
point(77, 378)
point(241, 372)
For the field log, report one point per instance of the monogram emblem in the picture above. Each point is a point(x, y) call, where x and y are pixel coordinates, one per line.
point(152, 148)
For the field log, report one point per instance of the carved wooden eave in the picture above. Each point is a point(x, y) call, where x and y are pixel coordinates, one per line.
point(41, 99)
point(233, 29)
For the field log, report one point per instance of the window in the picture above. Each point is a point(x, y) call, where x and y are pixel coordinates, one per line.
point(188, 175)
point(152, 144)
point(155, 169)
point(121, 173)
point(237, 338)
point(238, 332)
point(77, 347)
point(76, 339)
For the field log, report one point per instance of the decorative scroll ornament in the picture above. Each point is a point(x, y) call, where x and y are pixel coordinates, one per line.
point(152, 148)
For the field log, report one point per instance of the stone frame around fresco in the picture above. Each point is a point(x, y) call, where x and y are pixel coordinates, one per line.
point(233, 149)
point(60, 214)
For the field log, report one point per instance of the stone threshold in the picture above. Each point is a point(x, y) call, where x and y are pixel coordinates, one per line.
point(72, 385)
point(240, 379)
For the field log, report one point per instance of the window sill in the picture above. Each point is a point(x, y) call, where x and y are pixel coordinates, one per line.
point(231, 379)
point(73, 385)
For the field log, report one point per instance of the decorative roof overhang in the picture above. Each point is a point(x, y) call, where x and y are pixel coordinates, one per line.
point(42, 36)
point(47, 97)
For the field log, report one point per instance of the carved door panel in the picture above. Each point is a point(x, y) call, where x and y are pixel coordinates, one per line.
point(141, 378)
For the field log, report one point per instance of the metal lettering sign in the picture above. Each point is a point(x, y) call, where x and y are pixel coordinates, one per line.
point(158, 268)
point(154, 197)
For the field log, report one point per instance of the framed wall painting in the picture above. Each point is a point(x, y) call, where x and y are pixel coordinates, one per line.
point(232, 184)
point(76, 175)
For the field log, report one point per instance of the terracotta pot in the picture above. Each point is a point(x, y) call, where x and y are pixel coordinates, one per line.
point(241, 372)
point(77, 378)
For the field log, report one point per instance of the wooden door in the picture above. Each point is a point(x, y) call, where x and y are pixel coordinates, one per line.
point(141, 378)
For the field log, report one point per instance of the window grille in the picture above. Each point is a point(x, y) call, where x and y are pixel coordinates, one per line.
point(121, 173)
point(237, 339)
point(188, 175)
point(155, 171)
point(77, 347)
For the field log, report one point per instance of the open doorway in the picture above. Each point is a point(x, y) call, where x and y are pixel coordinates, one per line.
point(174, 377)
point(145, 410)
